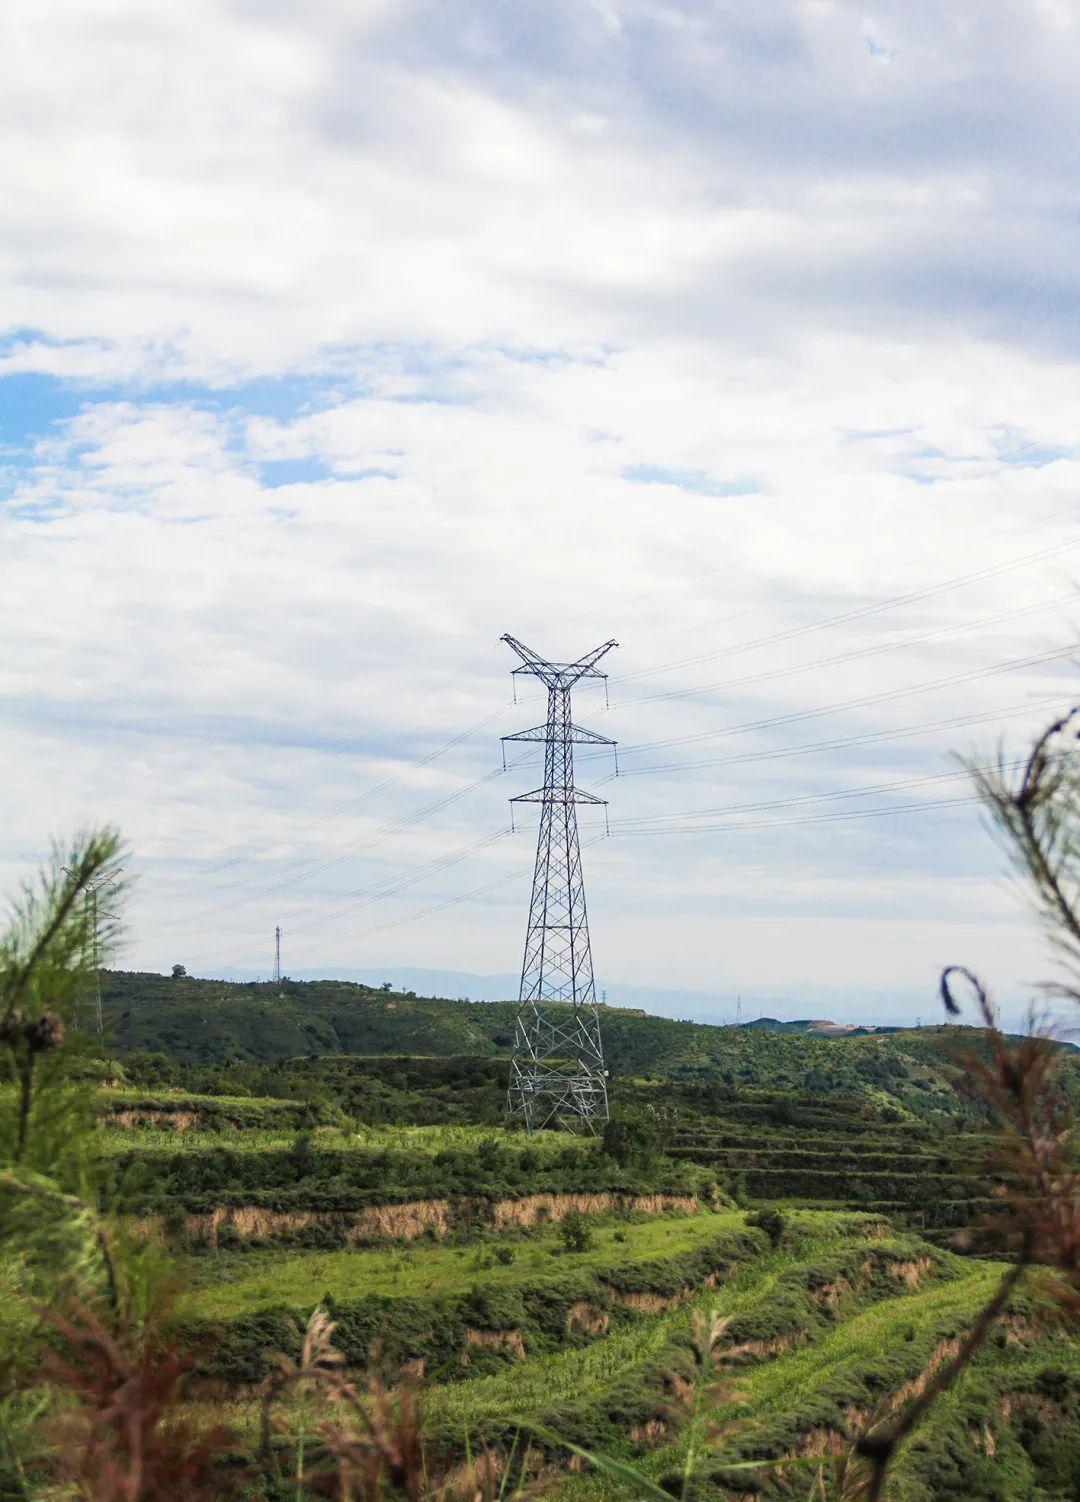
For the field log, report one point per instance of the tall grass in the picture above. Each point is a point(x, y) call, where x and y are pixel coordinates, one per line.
point(428, 1140)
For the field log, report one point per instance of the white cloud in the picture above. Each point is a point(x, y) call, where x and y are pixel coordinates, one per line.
point(378, 331)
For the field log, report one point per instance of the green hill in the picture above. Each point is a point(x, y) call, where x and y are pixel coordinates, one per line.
point(222, 1023)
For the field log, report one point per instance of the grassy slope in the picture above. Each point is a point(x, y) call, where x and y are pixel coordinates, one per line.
point(782, 1396)
point(1024, 1459)
point(779, 1386)
point(775, 1387)
point(425, 1140)
point(232, 1285)
point(580, 1374)
point(572, 1373)
point(731, 1089)
point(583, 1377)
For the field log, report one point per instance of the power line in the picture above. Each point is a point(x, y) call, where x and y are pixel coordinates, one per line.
point(342, 808)
point(862, 702)
point(805, 535)
point(933, 805)
point(624, 825)
point(320, 864)
point(392, 886)
point(960, 581)
point(233, 861)
point(858, 813)
point(377, 892)
point(438, 907)
point(399, 883)
point(856, 655)
point(500, 882)
point(350, 849)
point(842, 743)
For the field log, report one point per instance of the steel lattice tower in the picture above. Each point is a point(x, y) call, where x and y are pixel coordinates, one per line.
point(557, 1075)
point(90, 892)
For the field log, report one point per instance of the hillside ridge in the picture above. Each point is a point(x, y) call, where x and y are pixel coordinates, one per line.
point(248, 1022)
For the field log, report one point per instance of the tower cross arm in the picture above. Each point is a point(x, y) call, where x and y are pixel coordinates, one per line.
point(572, 795)
point(590, 737)
point(532, 661)
point(578, 734)
point(554, 674)
point(587, 664)
point(537, 733)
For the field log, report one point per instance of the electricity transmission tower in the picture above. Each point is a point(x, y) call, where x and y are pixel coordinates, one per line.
point(90, 890)
point(277, 956)
point(557, 1075)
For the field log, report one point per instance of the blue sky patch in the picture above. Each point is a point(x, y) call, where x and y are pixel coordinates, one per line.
point(305, 471)
point(31, 404)
point(696, 481)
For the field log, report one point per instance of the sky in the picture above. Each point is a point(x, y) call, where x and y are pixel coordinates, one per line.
point(338, 340)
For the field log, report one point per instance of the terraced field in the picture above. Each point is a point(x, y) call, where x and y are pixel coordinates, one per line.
point(442, 1253)
point(925, 1175)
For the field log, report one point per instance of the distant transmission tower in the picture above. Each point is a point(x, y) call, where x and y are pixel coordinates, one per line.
point(277, 956)
point(557, 1075)
point(90, 890)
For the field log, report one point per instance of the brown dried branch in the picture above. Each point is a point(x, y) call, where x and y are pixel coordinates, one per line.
point(1038, 820)
point(373, 1438)
point(1029, 1157)
point(879, 1445)
point(1040, 1191)
point(124, 1441)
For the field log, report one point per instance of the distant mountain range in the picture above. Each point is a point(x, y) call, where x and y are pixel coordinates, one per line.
point(821, 1026)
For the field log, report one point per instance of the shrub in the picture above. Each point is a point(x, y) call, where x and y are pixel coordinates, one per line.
point(637, 1138)
point(771, 1221)
point(575, 1232)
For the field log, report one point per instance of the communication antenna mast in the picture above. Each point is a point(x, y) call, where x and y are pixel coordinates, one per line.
point(557, 1074)
point(277, 956)
point(90, 890)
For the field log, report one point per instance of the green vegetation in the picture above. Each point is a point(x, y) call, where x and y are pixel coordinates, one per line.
point(220, 1031)
point(523, 1280)
point(228, 1282)
point(460, 1314)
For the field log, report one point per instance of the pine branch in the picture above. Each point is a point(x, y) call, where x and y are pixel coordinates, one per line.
point(50, 934)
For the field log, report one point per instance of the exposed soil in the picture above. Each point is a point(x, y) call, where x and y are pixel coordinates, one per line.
point(413, 1218)
point(498, 1340)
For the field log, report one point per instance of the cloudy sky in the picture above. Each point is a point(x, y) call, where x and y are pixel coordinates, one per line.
point(337, 340)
